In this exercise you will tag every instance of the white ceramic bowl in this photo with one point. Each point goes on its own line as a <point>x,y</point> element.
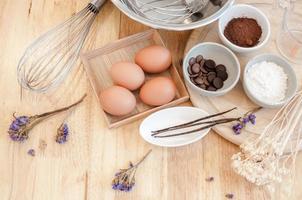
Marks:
<point>243,10</point>
<point>292,80</point>
<point>221,55</point>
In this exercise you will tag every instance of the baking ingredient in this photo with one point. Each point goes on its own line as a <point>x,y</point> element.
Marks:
<point>127,74</point>
<point>158,91</point>
<point>117,101</point>
<point>205,74</point>
<point>198,122</point>
<point>267,81</point>
<point>154,59</point>
<point>243,32</point>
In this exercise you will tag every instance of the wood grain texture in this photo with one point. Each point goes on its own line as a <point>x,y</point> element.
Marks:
<point>84,167</point>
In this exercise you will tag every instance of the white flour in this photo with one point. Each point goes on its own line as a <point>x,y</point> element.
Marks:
<point>267,81</point>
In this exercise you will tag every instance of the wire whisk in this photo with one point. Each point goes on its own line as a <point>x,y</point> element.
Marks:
<point>48,60</point>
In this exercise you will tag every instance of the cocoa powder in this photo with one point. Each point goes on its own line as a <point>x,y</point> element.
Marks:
<point>244,32</point>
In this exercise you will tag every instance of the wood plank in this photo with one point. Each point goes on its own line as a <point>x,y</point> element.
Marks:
<point>84,167</point>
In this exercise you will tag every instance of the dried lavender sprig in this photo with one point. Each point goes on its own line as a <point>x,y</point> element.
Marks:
<point>125,179</point>
<point>20,127</point>
<point>249,116</point>
<point>199,129</point>
<point>62,109</point>
<point>192,122</point>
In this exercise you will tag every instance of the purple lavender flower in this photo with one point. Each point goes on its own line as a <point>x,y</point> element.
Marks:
<point>124,180</point>
<point>248,117</point>
<point>237,128</point>
<point>17,130</point>
<point>252,118</point>
<point>62,133</point>
<point>245,120</point>
<point>21,126</point>
<point>31,152</point>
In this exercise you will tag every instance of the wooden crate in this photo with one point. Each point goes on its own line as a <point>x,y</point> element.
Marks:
<point>98,62</point>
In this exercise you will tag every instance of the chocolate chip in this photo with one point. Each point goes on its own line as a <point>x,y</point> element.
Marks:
<point>206,82</point>
<point>212,74</point>
<point>216,2</point>
<point>203,70</point>
<point>192,61</point>
<point>211,88</point>
<point>210,64</point>
<point>194,75</point>
<point>199,58</point>
<point>220,68</point>
<point>222,74</point>
<point>192,80</point>
<point>203,86</point>
<point>211,78</point>
<point>218,83</point>
<point>196,68</point>
<point>199,80</point>
<point>190,70</point>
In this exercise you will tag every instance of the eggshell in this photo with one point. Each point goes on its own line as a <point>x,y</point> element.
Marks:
<point>158,91</point>
<point>128,75</point>
<point>117,100</point>
<point>154,59</point>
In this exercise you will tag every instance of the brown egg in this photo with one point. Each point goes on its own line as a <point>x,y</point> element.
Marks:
<point>154,59</point>
<point>158,91</point>
<point>117,100</point>
<point>128,75</point>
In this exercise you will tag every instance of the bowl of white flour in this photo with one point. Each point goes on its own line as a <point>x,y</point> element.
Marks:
<point>269,81</point>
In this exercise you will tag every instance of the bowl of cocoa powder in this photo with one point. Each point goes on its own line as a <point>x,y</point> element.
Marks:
<point>244,28</point>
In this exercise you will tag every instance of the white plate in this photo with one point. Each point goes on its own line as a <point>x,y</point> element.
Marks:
<point>170,117</point>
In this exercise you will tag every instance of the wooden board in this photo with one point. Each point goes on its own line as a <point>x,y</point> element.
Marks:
<point>98,62</point>
<point>83,168</point>
<point>237,97</point>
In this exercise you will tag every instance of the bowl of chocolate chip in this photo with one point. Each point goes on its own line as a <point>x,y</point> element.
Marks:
<point>244,28</point>
<point>211,69</point>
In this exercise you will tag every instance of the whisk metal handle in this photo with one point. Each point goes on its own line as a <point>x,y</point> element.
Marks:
<point>98,3</point>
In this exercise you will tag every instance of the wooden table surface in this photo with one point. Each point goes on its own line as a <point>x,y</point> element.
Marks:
<point>84,167</point>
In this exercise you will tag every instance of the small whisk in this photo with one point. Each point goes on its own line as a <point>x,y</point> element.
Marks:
<point>48,60</point>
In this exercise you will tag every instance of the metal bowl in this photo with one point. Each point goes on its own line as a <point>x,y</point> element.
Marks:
<point>210,14</point>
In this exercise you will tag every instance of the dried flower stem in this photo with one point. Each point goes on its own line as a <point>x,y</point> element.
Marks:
<point>266,161</point>
<point>199,129</point>
<point>124,180</point>
<point>21,126</point>
<point>62,109</point>
<point>143,158</point>
<point>191,122</point>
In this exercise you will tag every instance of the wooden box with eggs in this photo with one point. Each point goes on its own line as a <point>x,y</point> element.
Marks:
<point>134,77</point>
